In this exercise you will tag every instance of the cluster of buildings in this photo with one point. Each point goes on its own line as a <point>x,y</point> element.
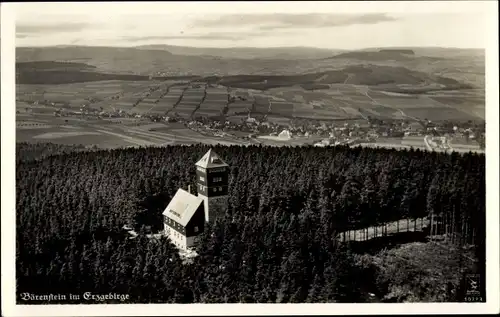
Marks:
<point>333,133</point>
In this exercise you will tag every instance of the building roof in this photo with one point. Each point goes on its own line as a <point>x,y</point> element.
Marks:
<point>416,126</point>
<point>183,206</point>
<point>285,134</point>
<point>211,159</point>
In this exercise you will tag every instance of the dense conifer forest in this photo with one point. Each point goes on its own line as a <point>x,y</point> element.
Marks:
<point>277,243</point>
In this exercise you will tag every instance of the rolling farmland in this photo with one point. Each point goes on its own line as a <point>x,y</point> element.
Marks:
<point>186,99</point>
<point>348,92</point>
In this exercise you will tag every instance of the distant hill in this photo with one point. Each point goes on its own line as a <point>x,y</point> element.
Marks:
<point>381,55</point>
<point>370,75</point>
<point>148,61</point>
<point>442,52</point>
<point>73,53</point>
<point>398,51</point>
<point>246,52</point>
<point>54,73</point>
<point>49,72</point>
<point>51,66</point>
<point>462,65</point>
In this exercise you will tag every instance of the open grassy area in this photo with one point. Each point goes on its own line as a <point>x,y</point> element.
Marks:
<point>417,271</point>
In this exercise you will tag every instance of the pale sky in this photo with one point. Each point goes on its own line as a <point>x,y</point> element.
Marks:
<point>252,24</point>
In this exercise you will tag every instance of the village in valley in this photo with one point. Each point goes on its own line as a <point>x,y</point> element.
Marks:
<point>255,126</point>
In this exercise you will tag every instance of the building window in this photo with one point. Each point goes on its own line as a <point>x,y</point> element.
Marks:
<point>196,229</point>
<point>220,189</point>
<point>217,179</point>
<point>202,178</point>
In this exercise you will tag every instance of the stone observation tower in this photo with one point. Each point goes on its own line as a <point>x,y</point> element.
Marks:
<point>186,214</point>
<point>212,177</point>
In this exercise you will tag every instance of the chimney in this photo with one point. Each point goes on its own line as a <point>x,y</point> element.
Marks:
<point>189,189</point>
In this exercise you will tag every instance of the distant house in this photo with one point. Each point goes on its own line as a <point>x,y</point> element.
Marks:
<point>325,142</point>
<point>285,134</point>
<point>415,127</point>
<point>411,133</point>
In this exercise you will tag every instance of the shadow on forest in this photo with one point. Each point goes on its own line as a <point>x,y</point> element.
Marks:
<point>375,245</point>
<point>151,211</point>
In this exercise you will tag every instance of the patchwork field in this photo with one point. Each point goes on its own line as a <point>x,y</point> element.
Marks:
<point>413,141</point>
<point>305,96</point>
<point>338,102</point>
<point>279,120</point>
<point>109,133</point>
<point>239,107</point>
<point>350,101</point>
<point>355,87</point>
<point>70,135</point>
<point>216,94</point>
<point>94,94</point>
<point>261,105</point>
<point>211,108</point>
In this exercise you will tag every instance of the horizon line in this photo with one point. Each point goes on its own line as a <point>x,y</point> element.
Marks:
<point>247,47</point>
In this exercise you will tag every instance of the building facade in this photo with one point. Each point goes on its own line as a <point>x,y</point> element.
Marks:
<point>184,219</point>
<point>212,177</point>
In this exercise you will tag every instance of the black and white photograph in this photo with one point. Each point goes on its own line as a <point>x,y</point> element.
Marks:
<point>250,153</point>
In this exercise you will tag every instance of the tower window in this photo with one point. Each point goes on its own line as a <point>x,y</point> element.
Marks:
<point>220,189</point>
<point>217,179</point>
<point>202,178</point>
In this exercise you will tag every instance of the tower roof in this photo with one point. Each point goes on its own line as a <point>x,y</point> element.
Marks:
<point>211,159</point>
<point>183,206</point>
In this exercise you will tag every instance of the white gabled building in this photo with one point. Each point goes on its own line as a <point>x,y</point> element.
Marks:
<point>184,219</point>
